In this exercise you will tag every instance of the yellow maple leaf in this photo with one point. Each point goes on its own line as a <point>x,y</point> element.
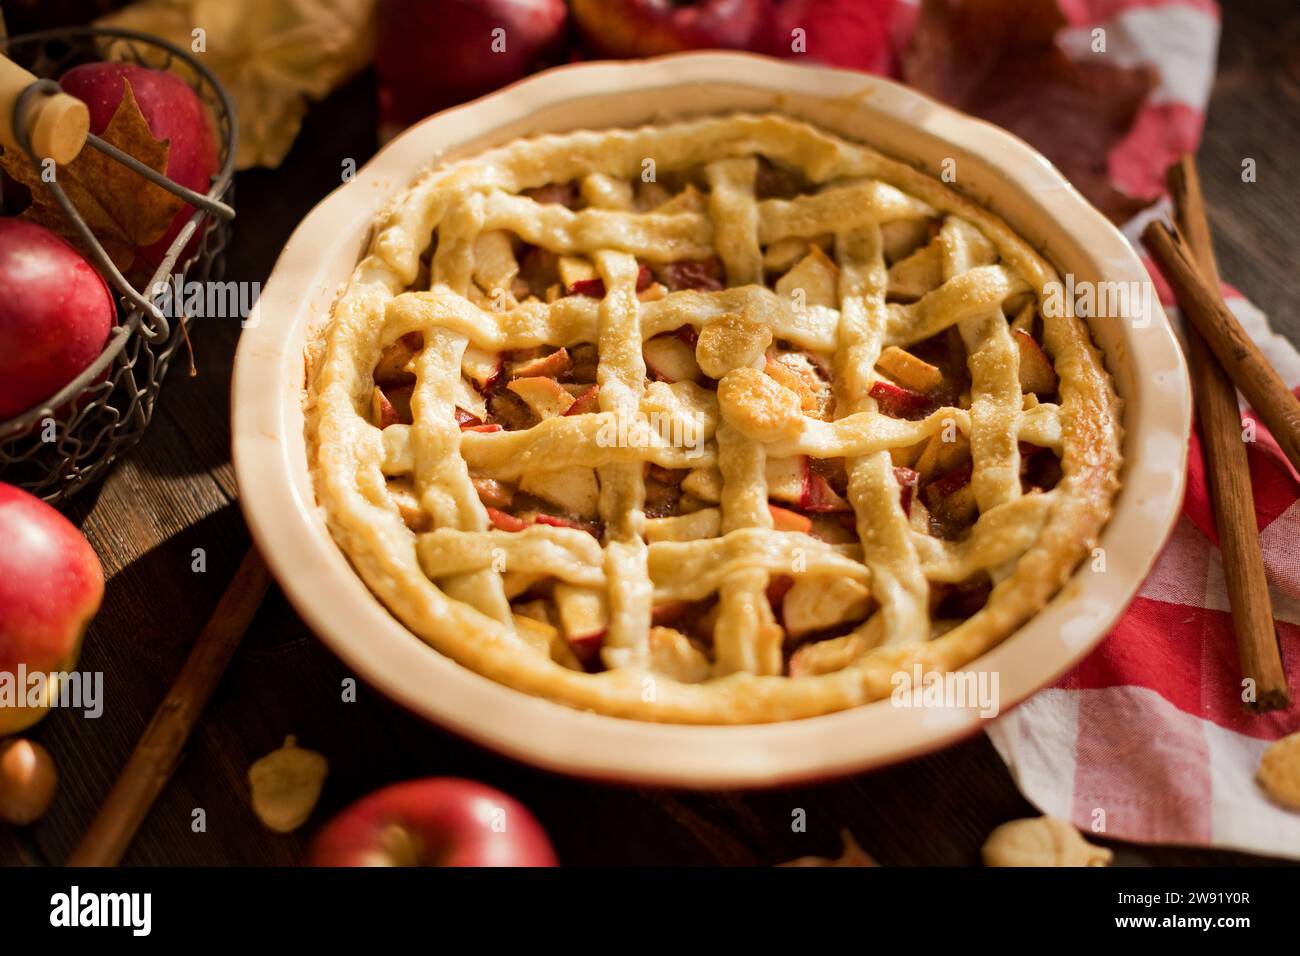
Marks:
<point>273,58</point>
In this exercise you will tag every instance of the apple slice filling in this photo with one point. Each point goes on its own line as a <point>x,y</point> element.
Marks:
<point>818,604</point>
<point>701,275</point>
<point>395,362</point>
<point>1040,469</point>
<point>563,194</point>
<point>663,491</point>
<point>523,387</point>
<point>803,375</point>
<point>668,358</point>
<point>694,618</point>
<point>956,602</point>
<point>583,614</point>
<point>518,390</point>
<point>539,275</point>
<point>594,286</point>
<point>545,397</point>
<point>1037,375</point>
<point>777,181</point>
<point>822,616</point>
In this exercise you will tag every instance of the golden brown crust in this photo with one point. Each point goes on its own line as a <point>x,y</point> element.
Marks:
<point>1031,542</point>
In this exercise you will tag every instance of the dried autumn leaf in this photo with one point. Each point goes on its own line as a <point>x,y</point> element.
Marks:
<point>123,209</point>
<point>1042,841</point>
<point>1279,771</point>
<point>286,784</point>
<point>851,855</point>
<point>999,60</point>
<point>273,58</point>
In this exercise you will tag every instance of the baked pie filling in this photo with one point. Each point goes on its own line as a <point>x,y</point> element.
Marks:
<point>732,442</point>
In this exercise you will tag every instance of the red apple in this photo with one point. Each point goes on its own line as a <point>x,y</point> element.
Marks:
<point>173,111</point>
<point>631,28</point>
<point>429,56</point>
<point>437,821</point>
<point>55,315</point>
<point>848,33</point>
<point>51,584</point>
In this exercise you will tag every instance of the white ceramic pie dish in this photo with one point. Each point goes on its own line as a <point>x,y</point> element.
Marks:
<point>993,167</point>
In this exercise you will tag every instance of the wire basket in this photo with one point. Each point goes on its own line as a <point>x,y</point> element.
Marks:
<point>71,438</point>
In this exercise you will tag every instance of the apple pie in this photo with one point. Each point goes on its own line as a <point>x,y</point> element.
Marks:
<point>719,421</point>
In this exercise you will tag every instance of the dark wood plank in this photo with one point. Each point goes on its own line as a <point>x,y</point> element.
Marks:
<point>1252,115</point>
<point>145,523</point>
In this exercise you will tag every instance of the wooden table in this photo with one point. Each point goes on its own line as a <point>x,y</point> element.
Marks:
<point>176,493</point>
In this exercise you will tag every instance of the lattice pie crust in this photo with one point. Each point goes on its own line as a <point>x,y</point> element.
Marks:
<point>773,301</point>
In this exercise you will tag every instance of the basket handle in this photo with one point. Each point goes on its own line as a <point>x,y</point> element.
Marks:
<point>56,124</point>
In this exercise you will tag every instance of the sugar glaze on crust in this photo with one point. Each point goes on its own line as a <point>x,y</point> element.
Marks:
<point>452,575</point>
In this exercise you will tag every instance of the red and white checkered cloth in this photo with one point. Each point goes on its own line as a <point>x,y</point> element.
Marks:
<point>1150,728</point>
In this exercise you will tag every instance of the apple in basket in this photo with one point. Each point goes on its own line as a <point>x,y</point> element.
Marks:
<point>429,56</point>
<point>51,584</point>
<point>55,315</point>
<point>173,112</point>
<point>630,28</point>
<point>437,821</point>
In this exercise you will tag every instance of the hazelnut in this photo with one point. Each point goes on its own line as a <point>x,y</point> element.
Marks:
<point>28,780</point>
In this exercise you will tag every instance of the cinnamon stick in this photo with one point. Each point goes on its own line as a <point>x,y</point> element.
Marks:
<point>154,758</point>
<point>1240,357</point>
<point>1228,469</point>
